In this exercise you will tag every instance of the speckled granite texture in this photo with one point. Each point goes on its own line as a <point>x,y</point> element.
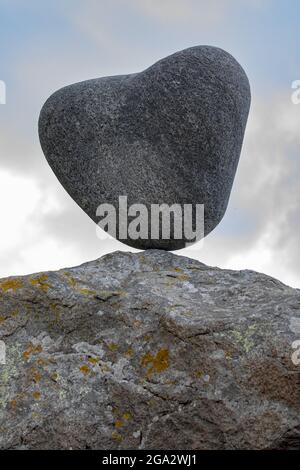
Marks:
<point>171,134</point>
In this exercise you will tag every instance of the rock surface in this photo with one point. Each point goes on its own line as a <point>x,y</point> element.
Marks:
<point>171,134</point>
<point>150,351</point>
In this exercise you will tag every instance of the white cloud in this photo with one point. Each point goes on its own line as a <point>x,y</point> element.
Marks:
<point>25,244</point>
<point>19,199</point>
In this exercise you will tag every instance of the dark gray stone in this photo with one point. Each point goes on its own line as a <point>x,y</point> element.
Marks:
<point>170,134</point>
<point>151,351</point>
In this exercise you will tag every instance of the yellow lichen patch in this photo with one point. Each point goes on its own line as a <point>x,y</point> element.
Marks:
<point>41,282</point>
<point>2,319</point>
<point>118,423</point>
<point>127,416</point>
<point>85,370</point>
<point>147,338</point>
<point>13,284</point>
<point>15,313</point>
<point>182,277</point>
<point>158,363</point>
<point>71,280</point>
<point>245,338</point>
<point>54,376</point>
<point>113,346</point>
<point>178,270</point>
<point>199,374</point>
<point>36,395</point>
<point>129,352</point>
<point>32,350</point>
<point>94,360</point>
<point>117,437</point>
<point>85,291</point>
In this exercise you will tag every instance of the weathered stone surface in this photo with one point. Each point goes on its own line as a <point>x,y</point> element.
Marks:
<point>148,350</point>
<point>171,134</point>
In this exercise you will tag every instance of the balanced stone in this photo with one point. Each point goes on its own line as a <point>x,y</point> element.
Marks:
<point>169,137</point>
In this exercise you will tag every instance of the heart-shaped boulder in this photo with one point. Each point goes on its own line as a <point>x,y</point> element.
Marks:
<point>162,143</point>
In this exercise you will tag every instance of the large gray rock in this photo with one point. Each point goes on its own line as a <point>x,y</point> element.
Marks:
<point>150,351</point>
<point>171,134</point>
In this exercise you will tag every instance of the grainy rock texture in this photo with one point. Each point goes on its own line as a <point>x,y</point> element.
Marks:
<point>150,351</point>
<point>171,134</point>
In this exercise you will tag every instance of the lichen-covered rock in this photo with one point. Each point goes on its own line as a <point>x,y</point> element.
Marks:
<point>150,351</point>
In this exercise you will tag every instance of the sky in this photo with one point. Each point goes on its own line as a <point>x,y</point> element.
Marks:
<point>50,44</point>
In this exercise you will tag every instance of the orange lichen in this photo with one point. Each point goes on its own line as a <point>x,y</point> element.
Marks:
<point>42,362</point>
<point>13,284</point>
<point>36,395</point>
<point>32,350</point>
<point>13,404</point>
<point>118,423</point>
<point>85,370</point>
<point>35,375</point>
<point>157,363</point>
